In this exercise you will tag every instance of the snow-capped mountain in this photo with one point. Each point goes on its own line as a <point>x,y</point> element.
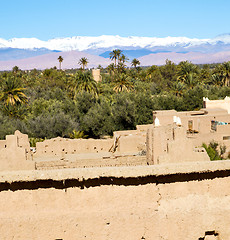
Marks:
<point>109,42</point>
<point>29,53</point>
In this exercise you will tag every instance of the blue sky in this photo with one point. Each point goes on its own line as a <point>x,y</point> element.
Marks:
<point>46,19</point>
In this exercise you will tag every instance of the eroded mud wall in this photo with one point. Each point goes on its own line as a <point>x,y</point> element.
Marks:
<point>184,206</point>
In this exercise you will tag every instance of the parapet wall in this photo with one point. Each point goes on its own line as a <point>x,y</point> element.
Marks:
<point>176,202</point>
<point>215,104</point>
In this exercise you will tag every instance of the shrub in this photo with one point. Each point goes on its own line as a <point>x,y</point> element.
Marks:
<point>214,151</point>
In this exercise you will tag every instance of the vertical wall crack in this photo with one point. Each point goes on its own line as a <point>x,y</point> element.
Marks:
<point>160,196</point>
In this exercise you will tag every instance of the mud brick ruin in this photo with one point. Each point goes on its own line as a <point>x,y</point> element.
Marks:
<point>155,182</point>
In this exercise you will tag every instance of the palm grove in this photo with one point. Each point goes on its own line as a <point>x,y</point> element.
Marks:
<point>51,103</point>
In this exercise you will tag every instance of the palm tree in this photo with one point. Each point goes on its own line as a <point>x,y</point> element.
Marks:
<point>83,62</point>
<point>123,58</point>
<point>12,97</point>
<point>184,69</point>
<point>191,80</point>
<point>114,55</point>
<point>12,93</point>
<point>77,134</point>
<point>135,62</point>
<point>15,69</point>
<point>60,59</point>
<point>83,82</point>
<point>111,68</point>
<point>217,79</point>
<point>178,88</point>
<point>122,83</point>
<point>225,69</point>
<point>121,67</point>
<point>150,71</point>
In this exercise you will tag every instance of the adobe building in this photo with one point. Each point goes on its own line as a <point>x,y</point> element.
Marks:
<point>98,189</point>
<point>173,132</point>
<point>96,75</point>
<point>164,141</point>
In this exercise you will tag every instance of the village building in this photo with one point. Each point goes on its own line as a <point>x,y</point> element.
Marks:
<point>155,182</point>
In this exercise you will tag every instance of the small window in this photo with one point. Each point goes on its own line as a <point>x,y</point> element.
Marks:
<point>190,125</point>
<point>226,137</point>
<point>213,125</point>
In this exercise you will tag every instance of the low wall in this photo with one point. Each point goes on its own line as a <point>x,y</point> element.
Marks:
<point>84,162</point>
<point>61,146</point>
<point>174,201</point>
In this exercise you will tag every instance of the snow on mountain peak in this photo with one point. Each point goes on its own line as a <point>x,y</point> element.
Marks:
<point>82,43</point>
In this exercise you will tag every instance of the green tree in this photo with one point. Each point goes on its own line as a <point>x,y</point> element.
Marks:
<point>144,105</point>
<point>225,68</point>
<point>122,83</point>
<point>191,80</point>
<point>60,59</point>
<point>12,93</point>
<point>135,63</point>
<point>84,82</point>
<point>192,99</point>
<point>123,112</point>
<point>184,69</point>
<point>111,68</point>
<point>48,125</point>
<point>114,55</point>
<point>98,120</point>
<point>169,74</point>
<point>217,79</point>
<point>77,134</point>
<point>122,58</point>
<point>121,67</point>
<point>178,88</point>
<point>83,62</point>
<point>15,69</point>
<point>205,75</point>
<point>153,74</point>
<point>13,97</point>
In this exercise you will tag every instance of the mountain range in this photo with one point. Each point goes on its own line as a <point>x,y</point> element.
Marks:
<point>28,53</point>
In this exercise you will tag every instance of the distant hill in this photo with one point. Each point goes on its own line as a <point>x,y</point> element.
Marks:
<point>71,60</point>
<point>194,57</point>
<point>7,54</point>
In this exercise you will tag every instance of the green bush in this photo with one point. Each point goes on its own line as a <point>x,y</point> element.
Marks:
<point>213,152</point>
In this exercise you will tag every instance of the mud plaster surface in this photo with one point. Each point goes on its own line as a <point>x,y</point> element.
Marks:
<point>156,206</point>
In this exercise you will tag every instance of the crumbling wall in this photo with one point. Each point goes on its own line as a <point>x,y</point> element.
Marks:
<point>173,202</point>
<point>132,141</point>
<point>124,149</point>
<point>61,146</point>
<point>15,153</point>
